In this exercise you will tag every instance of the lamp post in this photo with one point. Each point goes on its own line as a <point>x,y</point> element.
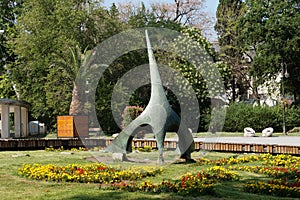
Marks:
<point>2,45</point>
<point>285,74</point>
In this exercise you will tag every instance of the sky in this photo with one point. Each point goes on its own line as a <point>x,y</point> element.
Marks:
<point>211,6</point>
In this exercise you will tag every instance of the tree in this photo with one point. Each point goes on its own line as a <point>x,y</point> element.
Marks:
<point>228,14</point>
<point>48,39</point>
<point>200,67</point>
<point>207,62</point>
<point>185,12</point>
<point>45,30</point>
<point>271,29</point>
<point>8,13</point>
<point>68,67</point>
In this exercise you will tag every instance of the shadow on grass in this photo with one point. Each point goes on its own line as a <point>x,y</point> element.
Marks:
<point>108,195</point>
<point>234,190</point>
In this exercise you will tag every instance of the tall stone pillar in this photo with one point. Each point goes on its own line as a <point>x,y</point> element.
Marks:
<point>5,131</point>
<point>17,121</point>
<point>24,120</point>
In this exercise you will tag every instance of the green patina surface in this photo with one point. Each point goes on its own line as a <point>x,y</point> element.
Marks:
<point>159,115</point>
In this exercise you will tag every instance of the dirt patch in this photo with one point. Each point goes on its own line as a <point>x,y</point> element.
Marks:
<point>147,158</point>
<point>106,159</point>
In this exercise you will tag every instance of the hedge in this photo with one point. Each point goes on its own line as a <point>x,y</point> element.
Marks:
<point>240,115</point>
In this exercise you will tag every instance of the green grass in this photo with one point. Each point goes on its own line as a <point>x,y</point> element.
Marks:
<point>13,186</point>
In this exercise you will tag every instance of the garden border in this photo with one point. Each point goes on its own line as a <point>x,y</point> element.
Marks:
<point>169,143</point>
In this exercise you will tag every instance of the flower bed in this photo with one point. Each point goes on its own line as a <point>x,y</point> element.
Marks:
<point>283,176</point>
<point>283,160</point>
<point>229,161</point>
<point>51,148</point>
<point>189,184</point>
<point>282,169</point>
<point>275,187</point>
<point>90,173</point>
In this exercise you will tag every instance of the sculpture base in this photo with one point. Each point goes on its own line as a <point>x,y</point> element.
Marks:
<point>160,160</point>
<point>119,157</point>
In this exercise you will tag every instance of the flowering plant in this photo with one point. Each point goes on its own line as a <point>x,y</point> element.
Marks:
<point>191,184</point>
<point>90,173</point>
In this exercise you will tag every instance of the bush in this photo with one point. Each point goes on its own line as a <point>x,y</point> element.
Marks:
<point>239,116</point>
<point>130,113</point>
<point>292,117</point>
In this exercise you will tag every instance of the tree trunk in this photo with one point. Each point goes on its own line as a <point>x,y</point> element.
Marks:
<point>233,99</point>
<point>76,106</point>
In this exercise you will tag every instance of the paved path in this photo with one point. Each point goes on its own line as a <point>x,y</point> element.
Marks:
<point>281,140</point>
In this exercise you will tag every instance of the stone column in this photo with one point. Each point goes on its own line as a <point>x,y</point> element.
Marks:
<point>5,131</point>
<point>24,120</point>
<point>17,121</point>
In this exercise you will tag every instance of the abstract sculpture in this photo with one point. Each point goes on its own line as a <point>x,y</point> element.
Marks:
<point>159,115</point>
<point>267,132</point>
<point>249,132</point>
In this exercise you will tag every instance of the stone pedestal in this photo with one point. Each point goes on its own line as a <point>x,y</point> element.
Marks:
<point>5,130</point>
<point>24,121</point>
<point>119,157</point>
<point>17,121</point>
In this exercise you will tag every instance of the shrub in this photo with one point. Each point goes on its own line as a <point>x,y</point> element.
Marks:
<point>130,113</point>
<point>239,116</point>
<point>292,117</point>
<point>143,149</point>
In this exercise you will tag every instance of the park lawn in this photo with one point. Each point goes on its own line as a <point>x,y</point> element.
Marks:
<point>14,186</point>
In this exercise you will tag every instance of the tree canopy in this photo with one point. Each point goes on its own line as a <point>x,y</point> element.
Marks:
<point>271,29</point>
<point>44,39</point>
<point>48,41</point>
<point>228,13</point>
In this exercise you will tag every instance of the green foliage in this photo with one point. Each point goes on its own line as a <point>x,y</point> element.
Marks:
<point>202,72</point>
<point>143,149</point>
<point>8,13</point>
<point>292,116</point>
<point>192,72</point>
<point>214,119</point>
<point>228,14</point>
<point>50,39</point>
<point>240,116</point>
<point>106,86</point>
<point>271,30</point>
<point>60,149</point>
<point>130,113</point>
<point>6,87</point>
<point>45,31</point>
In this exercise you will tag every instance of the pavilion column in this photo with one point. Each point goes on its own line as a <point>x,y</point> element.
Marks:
<point>17,121</point>
<point>5,131</point>
<point>24,120</point>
